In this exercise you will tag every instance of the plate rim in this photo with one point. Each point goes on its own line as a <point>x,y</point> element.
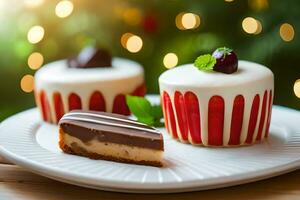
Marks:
<point>115,185</point>
<point>189,187</point>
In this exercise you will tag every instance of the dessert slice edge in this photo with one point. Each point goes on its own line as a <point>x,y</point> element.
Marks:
<point>99,138</point>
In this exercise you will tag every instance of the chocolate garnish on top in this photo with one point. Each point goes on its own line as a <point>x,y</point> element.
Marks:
<point>91,57</point>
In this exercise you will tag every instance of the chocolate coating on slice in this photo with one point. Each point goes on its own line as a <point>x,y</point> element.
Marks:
<point>113,128</point>
<point>91,57</point>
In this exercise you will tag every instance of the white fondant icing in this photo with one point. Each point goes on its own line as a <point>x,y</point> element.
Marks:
<point>190,76</point>
<point>247,110</point>
<point>122,78</point>
<point>227,119</point>
<point>250,79</point>
<point>268,113</point>
<point>203,105</point>
<point>62,74</point>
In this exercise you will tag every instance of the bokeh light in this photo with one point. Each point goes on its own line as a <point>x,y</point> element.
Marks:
<point>132,16</point>
<point>64,8</point>
<point>178,21</point>
<point>27,83</point>
<point>134,44</point>
<point>35,60</point>
<point>170,60</point>
<point>124,39</point>
<point>35,34</point>
<point>229,0</point>
<point>186,21</point>
<point>259,28</point>
<point>33,3</point>
<point>287,32</point>
<point>2,5</point>
<point>251,25</point>
<point>297,88</point>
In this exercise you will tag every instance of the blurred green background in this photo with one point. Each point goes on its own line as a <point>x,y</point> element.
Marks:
<point>258,30</point>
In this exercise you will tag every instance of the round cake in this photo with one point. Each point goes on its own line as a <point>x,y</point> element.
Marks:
<point>60,87</point>
<point>218,109</point>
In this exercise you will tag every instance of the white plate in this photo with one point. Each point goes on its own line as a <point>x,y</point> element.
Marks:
<point>32,144</point>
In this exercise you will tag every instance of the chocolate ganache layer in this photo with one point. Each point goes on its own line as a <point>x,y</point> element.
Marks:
<point>111,128</point>
<point>91,57</point>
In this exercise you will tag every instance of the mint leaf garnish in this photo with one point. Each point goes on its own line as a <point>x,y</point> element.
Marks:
<point>205,62</point>
<point>226,51</point>
<point>139,106</point>
<point>145,113</point>
<point>158,124</point>
<point>148,121</point>
<point>156,111</point>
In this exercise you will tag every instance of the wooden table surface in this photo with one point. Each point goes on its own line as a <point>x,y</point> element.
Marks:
<point>18,183</point>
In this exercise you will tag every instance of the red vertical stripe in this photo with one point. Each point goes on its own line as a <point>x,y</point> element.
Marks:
<point>97,102</point>
<point>74,102</point>
<point>215,121</point>
<point>120,105</point>
<point>58,106</point>
<point>46,113</point>
<point>262,117</point>
<point>237,120</point>
<point>170,114</point>
<point>140,91</point>
<point>253,119</point>
<point>269,114</point>
<point>193,115</point>
<point>181,115</point>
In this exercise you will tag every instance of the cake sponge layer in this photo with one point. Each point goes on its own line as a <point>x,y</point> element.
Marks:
<point>95,149</point>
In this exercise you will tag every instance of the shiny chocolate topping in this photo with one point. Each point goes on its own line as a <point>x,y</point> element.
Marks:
<point>91,57</point>
<point>111,128</point>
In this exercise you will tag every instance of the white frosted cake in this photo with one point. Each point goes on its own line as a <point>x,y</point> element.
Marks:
<point>60,88</point>
<point>218,109</point>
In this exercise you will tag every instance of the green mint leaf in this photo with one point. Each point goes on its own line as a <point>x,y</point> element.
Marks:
<point>205,62</point>
<point>226,51</point>
<point>145,113</point>
<point>149,121</point>
<point>156,112</point>
<point>139,106</point>
<point>158,124</point>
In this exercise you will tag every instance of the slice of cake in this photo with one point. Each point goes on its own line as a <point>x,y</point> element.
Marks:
<point>100,135</point>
